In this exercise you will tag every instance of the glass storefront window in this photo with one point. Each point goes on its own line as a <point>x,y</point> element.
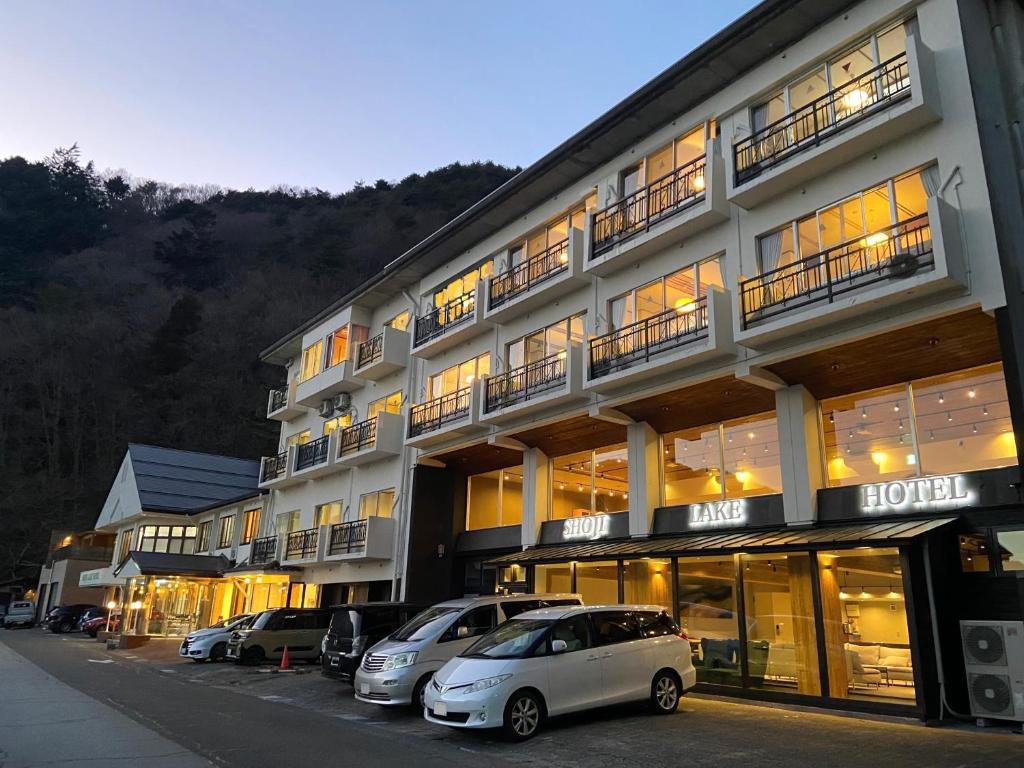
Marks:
<point>706,587</point>
<point>555,578</point>
<point>867,638</point>
<point>693,461</point>
<point>974,553</point>
<point>590,482</point>
<point>959,422</point>
<point>779,612</point>
<point>598,582</point>
<point>1011,549</point>
<point>648,582</point>
<point>495,499</point>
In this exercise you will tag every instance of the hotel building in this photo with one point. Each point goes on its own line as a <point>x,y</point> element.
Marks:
<point>740,347</point>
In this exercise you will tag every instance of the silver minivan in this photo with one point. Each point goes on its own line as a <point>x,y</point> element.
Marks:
<point>397,669</point>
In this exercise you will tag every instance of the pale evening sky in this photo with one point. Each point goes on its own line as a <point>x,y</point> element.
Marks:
<point>323,94</point>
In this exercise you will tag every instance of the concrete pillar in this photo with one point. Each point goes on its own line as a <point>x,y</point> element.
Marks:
<point>536,494</point>
<point>642,450</point>
<point>799,453</point>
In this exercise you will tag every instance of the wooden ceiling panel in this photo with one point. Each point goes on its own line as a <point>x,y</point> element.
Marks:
<point>706,403</point>
<point>576,434</point>
<point>482,457</point>
<point>947,344</point>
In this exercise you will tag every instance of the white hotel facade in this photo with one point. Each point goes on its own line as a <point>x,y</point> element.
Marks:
<point>736,347</point>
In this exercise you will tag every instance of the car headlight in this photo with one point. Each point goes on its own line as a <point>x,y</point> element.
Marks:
<point>399,660</point>
<point>323,644</point>
<point>190,639</point>
<point>483,685</point>
<point>241,635</point>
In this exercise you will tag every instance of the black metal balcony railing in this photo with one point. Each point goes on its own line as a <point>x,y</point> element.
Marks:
<point>642,340</point>
<point>434,414</point>
<point>535,270</point>
<point>517,385</point>
<point>347,537</point>
<point>263,550</point>
<point>358,437</point>
<point>893,253</point>
<point>441,319</point>
<point>301,545</point>
<point>370,351</point>
<point>663,197</point>
<point>812,123</point>
<point>278,399</point>
<point>312,453</point>
<point>274,467</point>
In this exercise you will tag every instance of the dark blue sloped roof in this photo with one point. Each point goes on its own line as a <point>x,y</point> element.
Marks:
<point>170,480</point>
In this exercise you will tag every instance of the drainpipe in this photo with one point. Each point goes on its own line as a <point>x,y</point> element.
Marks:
<point>943,703</point>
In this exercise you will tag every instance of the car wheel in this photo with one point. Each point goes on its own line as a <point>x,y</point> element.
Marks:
<point>665,690</point>
<point>252,656</point>
<point>524,714</point>
<point>218,651</point>
<point>418,703</point>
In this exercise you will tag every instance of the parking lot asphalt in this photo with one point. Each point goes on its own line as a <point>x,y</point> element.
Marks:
<point>307,712</point>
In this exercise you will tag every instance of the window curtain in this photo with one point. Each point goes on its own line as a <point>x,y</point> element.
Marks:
<point>769,251</point>
<point>930,180</point>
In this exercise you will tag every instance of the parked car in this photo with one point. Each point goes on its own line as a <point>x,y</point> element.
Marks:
<point>302,630</point>
<point>92,613</point>
<point>20,613</point>
<point>64,618</point>
<point>212,643</point>
<point>558,660</point>
<point>98,624</point>
<point>396,670</point>
<point>356,627</point>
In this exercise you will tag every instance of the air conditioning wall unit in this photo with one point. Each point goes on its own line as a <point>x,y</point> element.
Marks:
<point>326,408</point>
<point>342,402</point>
<point>994,658</point>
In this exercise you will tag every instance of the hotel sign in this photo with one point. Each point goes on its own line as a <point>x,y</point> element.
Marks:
<point>921,494</point>
<point>589,528</point>
<point>718,514</point>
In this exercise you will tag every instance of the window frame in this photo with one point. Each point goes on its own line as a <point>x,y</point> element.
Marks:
<point>225,531</point>
<point>250,524</point>
<point>630,296</point>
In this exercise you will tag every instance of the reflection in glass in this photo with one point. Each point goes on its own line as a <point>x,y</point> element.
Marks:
<point>1011,550</point>
<point>590,482</point>
<point>598,582</point>
<point>707,614</point>
<point>868,438</point>
<point>556,578</point>
<point>781,636</point>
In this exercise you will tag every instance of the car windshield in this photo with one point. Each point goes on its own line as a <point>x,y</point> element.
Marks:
<point>427,623</point>
<point>343,622</point>
<point>262,620</point>
<point>511,640</point>
<point>235,622</point>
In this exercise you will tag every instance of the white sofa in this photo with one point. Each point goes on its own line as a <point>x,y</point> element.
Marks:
<point>895,660</point>
<point>782,665</point>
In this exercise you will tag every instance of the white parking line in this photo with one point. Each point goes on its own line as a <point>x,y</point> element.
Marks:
<point>100,661</point>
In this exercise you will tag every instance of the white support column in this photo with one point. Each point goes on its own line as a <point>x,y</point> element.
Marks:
<point>644,476</point>
<point>799,453</point>
<point>536,494</point>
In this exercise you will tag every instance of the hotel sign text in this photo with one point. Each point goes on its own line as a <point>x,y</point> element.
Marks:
<point>917,495</point>
<point>718,514</point>
<point>586,528</point>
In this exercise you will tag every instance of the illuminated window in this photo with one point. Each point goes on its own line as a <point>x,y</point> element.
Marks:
<point>463,285</point>
<point>399,322</point>
<point>299,438</point>
<point>458,376</point>
<point>390,404</point>
<point>227,531</point>
<point>495,498</point>
<point>126,544</point>
<point>338,422</point>
<point>174,539</point>
<point>745,452</point>
<point>959,422</point>
<point>376,504</point>
<point>590,482</point>
<point>312,356</point>
<point>203,539</point>
<point>547,342</point>
<point>675,291</point>
<point>250,525</point>
<point>551,234</point>
<point>327,514</point>
<point>286,522</point>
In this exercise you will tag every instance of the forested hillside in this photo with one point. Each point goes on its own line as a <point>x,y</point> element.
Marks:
<point>135,312</point>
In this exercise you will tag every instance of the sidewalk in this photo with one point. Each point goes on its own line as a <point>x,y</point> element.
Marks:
<point>43,721</point>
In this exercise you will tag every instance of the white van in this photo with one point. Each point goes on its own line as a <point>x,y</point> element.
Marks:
<point>558,660</point>
<point>397,669</point>
<point>20,613</point>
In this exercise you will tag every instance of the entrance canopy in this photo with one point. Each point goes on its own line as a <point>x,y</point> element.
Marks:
<point>891,532</point>
<point>167,564</point>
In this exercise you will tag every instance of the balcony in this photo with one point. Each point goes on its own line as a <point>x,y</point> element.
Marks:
<point>328,383</point>
<point>276,471</point>
<point>545,276</point>
<point>302,545</point>
<point>450,324</point>
<point>263,550</point>
<point>553,381</point>
<point>895,99</point>
<point>282,406</point>
<point>445,418</point>
<point>675,206</point>
<point>371,440</point>
<point>370,539</point>
<point>916,259</point>
<point>662,345</point>
<point>317,457</point>
<point>385,353</point>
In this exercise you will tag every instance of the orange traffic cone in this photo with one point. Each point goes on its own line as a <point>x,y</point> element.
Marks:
<point>284,660</point>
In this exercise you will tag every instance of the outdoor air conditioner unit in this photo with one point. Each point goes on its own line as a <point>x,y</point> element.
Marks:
<point>326,408</point>
<point>994,656</point>
<point>342,402</point>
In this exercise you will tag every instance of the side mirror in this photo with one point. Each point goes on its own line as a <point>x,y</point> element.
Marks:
<point>559,646</point>
<point>462,632</point>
